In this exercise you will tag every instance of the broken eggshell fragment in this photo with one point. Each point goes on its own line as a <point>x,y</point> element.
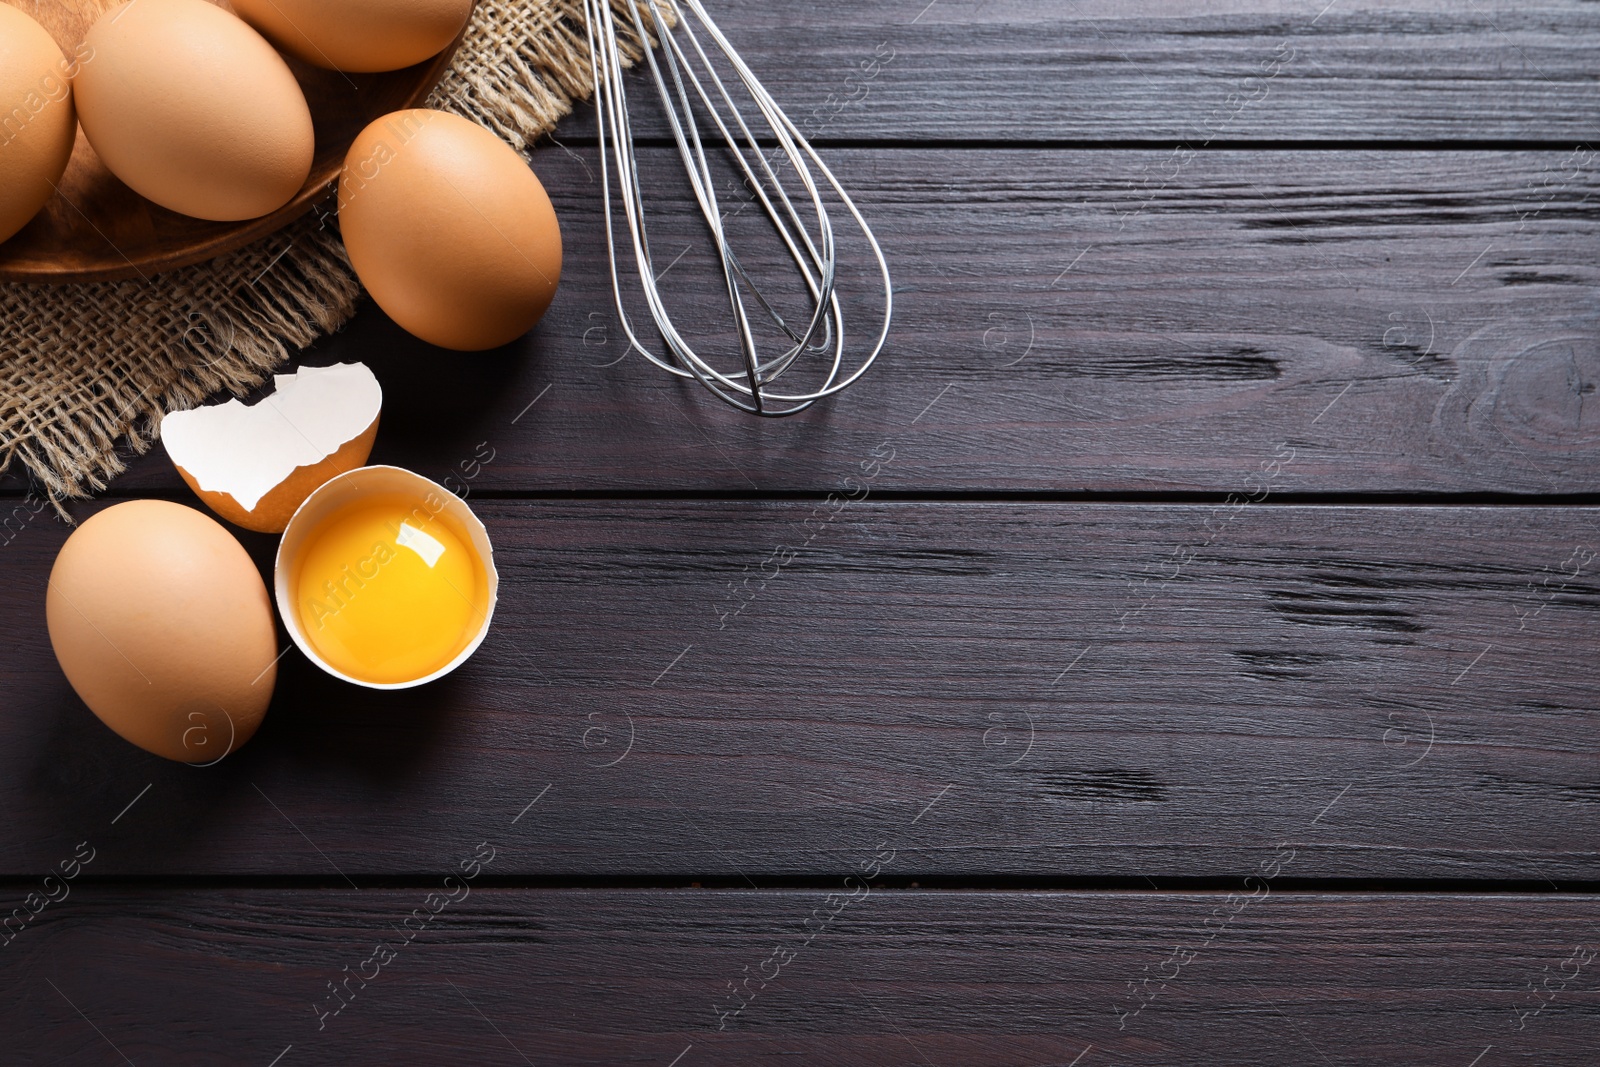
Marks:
<point>255,464</point>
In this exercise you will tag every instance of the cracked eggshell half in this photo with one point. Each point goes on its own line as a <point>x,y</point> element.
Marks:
<point>255,464</point>
<point>348,492</point>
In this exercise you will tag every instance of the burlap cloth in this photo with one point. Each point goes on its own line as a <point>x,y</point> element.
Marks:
<point>86,368</point>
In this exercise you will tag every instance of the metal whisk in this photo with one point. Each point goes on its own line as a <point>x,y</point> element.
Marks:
<point>685,77</point>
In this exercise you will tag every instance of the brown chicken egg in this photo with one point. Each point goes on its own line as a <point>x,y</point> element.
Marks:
<point>449,229</point>
<point>37,122</point>
<point>194,110</point>
<point>358,35</point>
<point>162,624</point>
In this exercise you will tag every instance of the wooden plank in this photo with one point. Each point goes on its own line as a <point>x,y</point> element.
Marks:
<point>1109,70</point>
<point>980,979</point>
<point>1404,322</point>
<point>1047,690</point>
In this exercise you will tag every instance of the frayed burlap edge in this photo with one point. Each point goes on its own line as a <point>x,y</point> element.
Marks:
<point>87,371</point>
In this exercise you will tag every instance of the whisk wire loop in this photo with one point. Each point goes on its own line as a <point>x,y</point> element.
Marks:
<point>686,79</point>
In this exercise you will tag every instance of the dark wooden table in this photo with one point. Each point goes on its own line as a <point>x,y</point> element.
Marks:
<point>1209,674</point>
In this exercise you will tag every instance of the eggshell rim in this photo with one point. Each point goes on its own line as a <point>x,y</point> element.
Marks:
<point>193,431</point>
<point>389,476</point>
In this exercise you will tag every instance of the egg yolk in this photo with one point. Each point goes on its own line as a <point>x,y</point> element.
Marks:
<point>388,591</point>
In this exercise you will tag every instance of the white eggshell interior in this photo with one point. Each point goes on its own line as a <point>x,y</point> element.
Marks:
<point>247,450</point>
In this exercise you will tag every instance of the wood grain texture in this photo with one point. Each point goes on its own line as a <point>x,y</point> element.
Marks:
<point>1105,70</point>
<point>897,978</point>
<point>1405,322</point>
<point>1048,690</point>
<point>98,229</point>
<point>767,693</point>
